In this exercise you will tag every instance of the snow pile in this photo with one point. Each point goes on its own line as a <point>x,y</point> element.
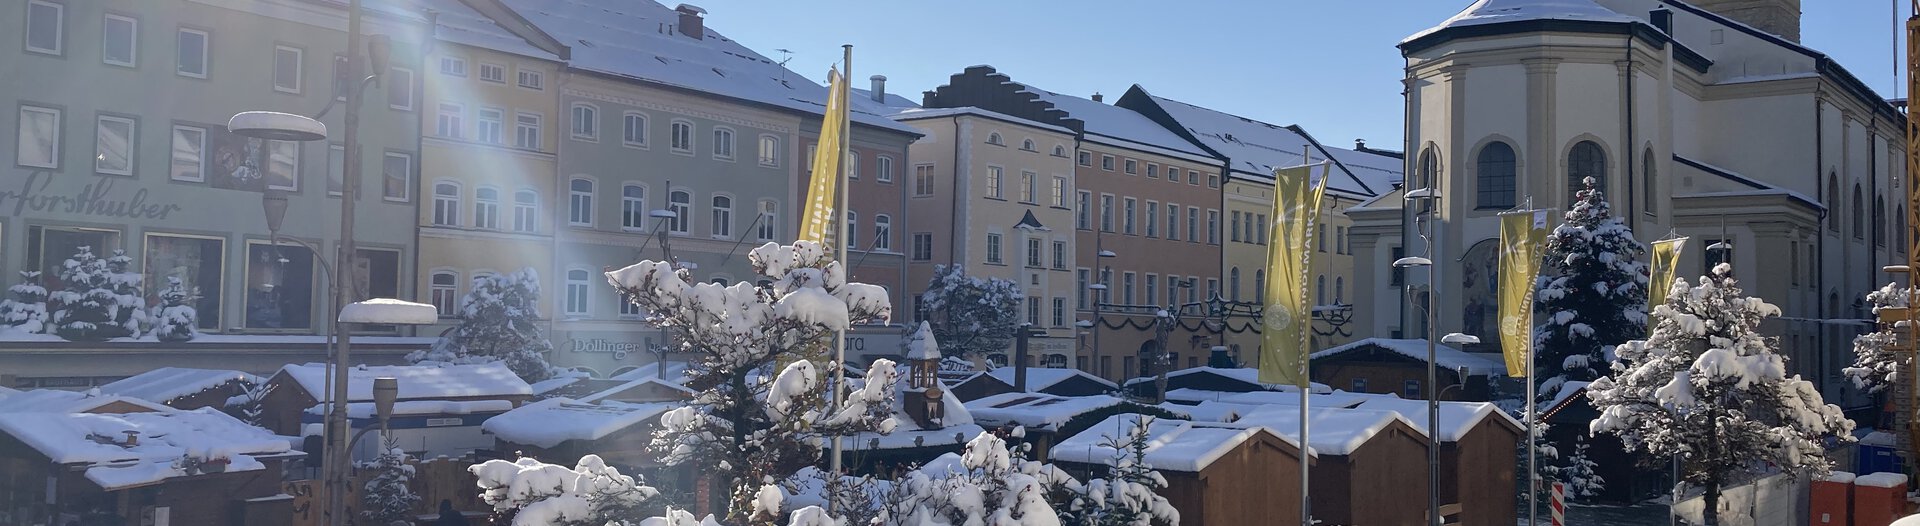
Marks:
<point>166,445</point>
<point>1881,480</point>
<point>546,494</point>
<point>492,379</point>
<point>1211,411</point>
<point>1333,431</point>
<point>389,310</point>
<point>1041,378</point>
<point>1174,445</point>
<point>977,316</point>
<point>168,383</point>
<point>1486,12</point>
<point>1837,476</point>
<point>57,401</point>
<point>1040,412</point>
<point>548,423</point>
<point>1337,398</point>
<point>1456,418</point>
<point>1448,357</point>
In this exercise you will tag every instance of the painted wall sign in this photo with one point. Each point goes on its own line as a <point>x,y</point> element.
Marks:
<point>618,348</point>
<point>95,198</point>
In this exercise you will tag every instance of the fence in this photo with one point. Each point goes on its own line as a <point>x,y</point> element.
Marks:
<point>1775,500</point>
<point>433,480</point>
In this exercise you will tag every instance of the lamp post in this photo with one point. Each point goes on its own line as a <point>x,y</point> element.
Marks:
<point>1423,218</point>
<point>1099,292</point>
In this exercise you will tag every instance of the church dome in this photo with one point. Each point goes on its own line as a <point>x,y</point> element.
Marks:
<point>1489,12</point>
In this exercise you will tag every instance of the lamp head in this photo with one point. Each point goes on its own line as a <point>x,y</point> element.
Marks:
<point>379,53</point>
<point>1412,261</point>
<point>1460,339</point>
<point>1108,254</point>
<point>385,390</point>
<point>1424,193</point>
<point>276,126</point>
<point>274,203</point>
<point>1896,269</point>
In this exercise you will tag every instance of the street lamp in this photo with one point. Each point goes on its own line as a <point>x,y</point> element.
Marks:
<point>1099,300</point>
<point>1425,211</point>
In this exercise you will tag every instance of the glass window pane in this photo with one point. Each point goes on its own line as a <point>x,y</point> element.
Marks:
<point>279,287</point>
<point>198,263</point>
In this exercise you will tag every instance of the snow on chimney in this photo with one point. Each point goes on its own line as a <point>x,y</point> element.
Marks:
<point>879,90</point>
<point>133,438</point>
<point>690,22</point>
<point>1359,144</point>
<point>1096,96</point>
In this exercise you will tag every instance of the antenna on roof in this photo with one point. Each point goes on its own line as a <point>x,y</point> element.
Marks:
<point>785,56</point>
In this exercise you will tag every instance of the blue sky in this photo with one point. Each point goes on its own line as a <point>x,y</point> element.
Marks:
<point>1330,66</point>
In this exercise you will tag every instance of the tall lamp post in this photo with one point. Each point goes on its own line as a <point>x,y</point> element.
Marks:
<point>1099,299</point>
<point>1423,218</point>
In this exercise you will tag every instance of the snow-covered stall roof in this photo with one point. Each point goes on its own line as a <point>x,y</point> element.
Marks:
<point>1123,127</point>
<point>1038,411</point>
<point>57,401</point>
<point>1212,411</point>
<point>1246,375</point>
<point>1040,378</point>
<point>1172,445</point>
<point>957,425</point>
<point>1448,357</point>
<point>1567,391</point>
<point>1456,418</point>
<point>547,423</point>
<point>1340,399</point>
<point>422,407</point>
<point>1486,12</point>
<point>1332,431</point>
<point>1257,148</point>
<point>416,381</point>
<point>168,383</point>
<point>98,443</point>
<point>641,40</point>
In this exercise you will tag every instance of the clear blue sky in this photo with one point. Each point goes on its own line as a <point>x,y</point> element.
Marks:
<point>1328,65</point>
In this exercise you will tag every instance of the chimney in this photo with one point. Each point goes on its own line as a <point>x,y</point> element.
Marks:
<point>1662,20</point>
<point>690,22</point>
<point>133,438</point>
<point>1096,96</point>
<point>879,90</point>
<point>1779,17</point>
<point>926,98</point>
<point>1360,144</point>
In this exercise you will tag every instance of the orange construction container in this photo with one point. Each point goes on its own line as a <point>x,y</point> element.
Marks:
<point>1879,498</point>
<point>1832,500</point>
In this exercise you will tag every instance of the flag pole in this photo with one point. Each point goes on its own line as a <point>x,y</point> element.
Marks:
<point>1306,382</point>
<point>840,343</point>
<point>1533,482</point>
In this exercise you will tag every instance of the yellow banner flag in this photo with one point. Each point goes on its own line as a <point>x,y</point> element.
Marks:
<point>826,164</point>
<point>1286,315</point>
<point>1522,236</point>
<point>1666,258</point>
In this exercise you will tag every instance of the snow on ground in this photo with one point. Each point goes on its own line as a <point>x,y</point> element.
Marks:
<point>1040,378</point>
<point>1035,411</point>
<point>167,383</point>
<point>57,401</point>
<point>550,422</point>
<point>1172,445</point>
<point>1330,432</point>
<point>99,443</point>
<point>416,381</point>
<point>1456,418</point>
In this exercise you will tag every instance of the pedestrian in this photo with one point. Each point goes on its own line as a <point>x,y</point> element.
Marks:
<point>449,516</point>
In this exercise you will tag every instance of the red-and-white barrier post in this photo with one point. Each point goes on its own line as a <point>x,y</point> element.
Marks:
<point>1559,504</point>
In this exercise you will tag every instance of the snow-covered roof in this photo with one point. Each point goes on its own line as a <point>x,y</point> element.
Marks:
<point>1486,12</point>
<point>641,40</point>
<point>1212,411</point>
<point>631,384</point>
<point>1340,399</point>
<point>460,24</point>
<point>929,113</point>
<point>423,407</point>
<point>57,401</point>
<point>1456,418</point>
<point>1331,431</point>
<point>1041,378</point>
<point>550,384</point>
<point>547,423</point>
<point>1247,375</point>
<point>895,103</point>
<point>1036,411</point>
<point>1172,445</point>
<point>1448,357</point>
<point>921,345</point>
<point>1566,392</point>
<point>416,381</point>
<point>1257,148</point>
<point>167,383</point>
<point>1117,126</point>
<point>97,441</point>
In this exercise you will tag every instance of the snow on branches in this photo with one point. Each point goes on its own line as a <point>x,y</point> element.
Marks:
<point>972,316</point>
<point>178,321</point>
<point>99,299</point>
<point>989,484</point>
<point>389,499</point>
<point>26,311</point>
<point>1710,388</point>
<point>1592,292</point>
<point>499,321</point>
<point>532,493</point>
<point>1130,496</point>
<point>1875,364</point>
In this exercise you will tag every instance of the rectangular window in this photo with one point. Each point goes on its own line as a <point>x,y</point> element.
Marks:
<point>1080,288</point>
<point>287,68</point>
<point>376,275</point>
<point>1132,166</point>
<point>1193,224</point>
<point>336,169</point>
<point>443,293</point>
<point>1213,287</point>
<point>1173,221</point>
<point>922,246</point>
<point>1153,219</point>
<point>1193,177</point>
<point>1399,275</point>
<point>585,122</point>
<point>769,225</point>
<point>1027,186</point>
<point>1059,311</point>
<point>1173,174</point>
<point>190,53</point>
<point>1126,287</point>
<point>1083,210</point>
<point>1152,288</point>
<point>1127,223</point>
<point>1234,223</point>
<point>526,131</point>
<point>113,145</point>
<point>48,248</point>
<point>448,124</point>
<point>1106,213</point>
<point>1033,310</point>
<point>530,79</point>
<point>189,154</point>
<point>279,281</point>
<point>1153,171</point>
<point>993,182</point>
<point>1059,191</point>
<point>923,180</point>
<point>576,295</point>
<point>397,171</point>
<point>1086,159</point>
<point>1263,227</point>
<point>1126,366</point>
<point>46,27</point>
<point>119,40</point>
<point>1106,162</point>
<point>283,165</point>
<point>1213,180</point>
<point>526,206</point>
<point>1034,256</point>
<point>993,248</point>
<point>494,73</point>
<point>1059,255</point>
<point>488,123</point>
<point>1173,289</point>
<point>1340,240</point>
<point>399,86</point>
<point>1320,238</point>
<point>723,144</point>
<point>681,136</point>
<point>453,66</point>
<point>198,265</point>
<point>884,165</point>
<point>1249,228</point>
<point>1213,227</point>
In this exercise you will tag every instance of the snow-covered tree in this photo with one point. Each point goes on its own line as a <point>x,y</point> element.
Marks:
<point>248,406</point>
<point>990,484</point>
<point>972,316</point>
<point>1592,293</point>
<point>178,321</point>
<point>389,498</point>
<point>748,425</point>
<point>527,492</point>
<point>499,321</point>
<point>1875,365</point>
<point>1130,496</point>
<point>26,311</point>
<point>99,298</point>
<point>1707,387</point>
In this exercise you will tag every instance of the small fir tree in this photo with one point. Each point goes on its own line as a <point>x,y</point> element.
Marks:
<point>178,321</point>
<point>91,300</point>
<point>499,321</point>
<point>131,314</point>
<point>972,316</point>
<point>1706,386</point>
<point>26,311</point>
<point>1592,293</point>
<point>389,497</point>
<point>1130,496</point>
<point>1578,473</point>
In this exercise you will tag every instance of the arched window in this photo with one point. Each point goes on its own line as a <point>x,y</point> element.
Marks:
<point>586,122</point>
<point>576,298</point>
<point>634,133</point>
<point>1233,283</point>
<point>1584,161</point>
<point>722,216</point>
<point>768,228</point>
<point>682,135</point>
<point>1339,290</point>
<point>994,138</point>
<point>681,203</point>
<point>1833,196</point>
<point>1859,214</point>
<point>1880,221</point>
<point>633,207</point>
<point>526,210</point>
<point>486,208</point>
<point>722,143</point>
<point>1026,144</point>
<point>444,292</point>
<point>1259,285</point>
<point>1496,176</point>
<point>1649,183</point>
<point>882,232</point>
<point>1059,151</point>
<point>446,203</point>
<point>1425,175</point>
<point>1320,290</point>
<point>769,150</point>
<point>580,202</point>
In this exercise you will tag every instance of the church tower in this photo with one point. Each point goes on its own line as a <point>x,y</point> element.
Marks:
<point>1778,17</point>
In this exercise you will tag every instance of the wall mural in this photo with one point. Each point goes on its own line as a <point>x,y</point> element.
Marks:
<point>1479,283</point>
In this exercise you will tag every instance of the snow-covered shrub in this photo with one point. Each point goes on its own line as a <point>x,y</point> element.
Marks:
<point>1708,387</point>
<point>499,321</point>
<point>26,311</point>
<point>248,406</point>
<point>972,316</point>
<point>1591,294</point>
<point>761,410</point>
<point>178,321</point>
<point>1130,495</point>
<point>389,499</point>
<point>528,492</point>
<point>99,298</point>
<point>1875,364</point>
<point>989,484</point>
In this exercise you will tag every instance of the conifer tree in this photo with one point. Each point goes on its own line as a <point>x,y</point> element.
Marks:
<point>26,311</point>
<point>178,321</point>
<point>1592,293</point>
<point>93,296</point>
